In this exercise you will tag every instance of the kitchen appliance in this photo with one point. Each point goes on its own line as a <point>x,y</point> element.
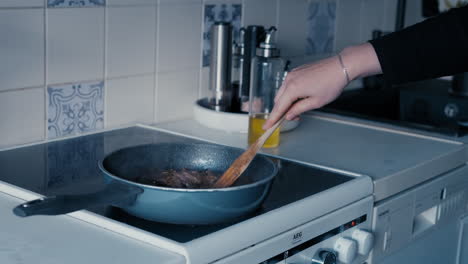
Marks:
<point>460,85</point>
<point>220,66</point>
<point>427,106</point>
<point>312,213</point>
<point>123,169</point>
<point>431,104</point>
<point>237,70</point>
<point>421,225</point>
<point>254,35</point>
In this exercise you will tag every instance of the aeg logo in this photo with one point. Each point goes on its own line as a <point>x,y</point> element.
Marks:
<point>297,237</point>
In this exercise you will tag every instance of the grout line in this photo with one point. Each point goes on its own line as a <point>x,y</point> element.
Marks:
<point>122,77</point>
<point>46,81</point>
<point>130,5</point>
<point>21,7</point>
<point>361,19</point>
<point>337,22</point>
<point>46,71</point>
<point>76,81</point>
<point>156,56</point>
<point>75,7</point>
<point>385,16</point>
<point>200,62</point>
<point>21,89</point>
<point>105,68</point>
<point>277,20</point>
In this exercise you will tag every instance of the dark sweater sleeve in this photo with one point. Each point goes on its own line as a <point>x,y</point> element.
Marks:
<point>433,48</point>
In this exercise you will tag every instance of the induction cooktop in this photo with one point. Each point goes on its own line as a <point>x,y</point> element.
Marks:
<point>70,166</point>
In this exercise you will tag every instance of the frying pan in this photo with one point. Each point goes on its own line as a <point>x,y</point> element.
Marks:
<point>163,204</point>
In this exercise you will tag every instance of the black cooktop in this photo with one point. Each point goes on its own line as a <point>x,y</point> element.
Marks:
<point>424,105</point>
<point>70,167</point>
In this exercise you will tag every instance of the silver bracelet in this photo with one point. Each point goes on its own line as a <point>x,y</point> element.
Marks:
<point>345,70</point>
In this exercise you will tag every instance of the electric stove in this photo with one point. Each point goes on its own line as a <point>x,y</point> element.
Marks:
<point>300,193</point>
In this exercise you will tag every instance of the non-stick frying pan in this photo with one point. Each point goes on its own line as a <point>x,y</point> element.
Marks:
<point>163,204</point>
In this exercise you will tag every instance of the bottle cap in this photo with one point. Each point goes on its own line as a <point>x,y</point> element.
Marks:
<point>268,48</point>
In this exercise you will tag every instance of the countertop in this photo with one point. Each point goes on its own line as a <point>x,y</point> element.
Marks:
<point>395,159</point>
<point>64,239</point>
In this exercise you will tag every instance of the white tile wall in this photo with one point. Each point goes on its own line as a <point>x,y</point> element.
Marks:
<point>389,15</point>
<point>75,47</point>
<point>260,12</point>
<point>179,1</point>
<point>176,94</point>
<point>372,18</point>
<point>348,23</point>
<point>179,35</point>
<point>204,90</point>
<point>21,3</point>
<point>131,35</point>
<point>292,26</point>
<point>21,48</point>
<point>22,117</point>
<point>150,50</point>
<point>413,13</point>
<point>130,100</point>
<point>130,2</point>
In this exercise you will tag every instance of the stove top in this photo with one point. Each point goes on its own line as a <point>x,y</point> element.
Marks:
<point>70,167</point>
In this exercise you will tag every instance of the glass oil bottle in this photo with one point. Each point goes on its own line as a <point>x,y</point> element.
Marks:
<point>266,66</point>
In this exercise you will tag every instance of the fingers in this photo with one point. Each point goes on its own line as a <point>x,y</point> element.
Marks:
<point>302,106</point>
<point>279,109</point>
<point>281,89</point>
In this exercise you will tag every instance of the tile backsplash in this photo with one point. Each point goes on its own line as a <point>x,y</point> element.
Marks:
<point>75,3</point>
<point>75,66</point>
<point>74,109</point>
<point>321,18</point>
<point>221,12</point>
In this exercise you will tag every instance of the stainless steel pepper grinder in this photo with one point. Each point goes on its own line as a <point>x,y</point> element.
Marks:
<point>220,67</point>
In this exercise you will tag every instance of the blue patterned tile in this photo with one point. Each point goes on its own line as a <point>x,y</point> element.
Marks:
<point>219,13</point>
<point>321,21</point>
<point>75,109</point>
<point>75,3</point>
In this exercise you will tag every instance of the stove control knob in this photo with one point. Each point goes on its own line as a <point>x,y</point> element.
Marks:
<point>324,256</point>
<point>364,239</point>
<point>346,249</point>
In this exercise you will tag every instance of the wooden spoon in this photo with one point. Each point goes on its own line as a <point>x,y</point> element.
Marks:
<point>243,161</point>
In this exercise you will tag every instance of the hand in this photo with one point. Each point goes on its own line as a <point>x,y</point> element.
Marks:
<point>308,87</point>
<point>314,85</point>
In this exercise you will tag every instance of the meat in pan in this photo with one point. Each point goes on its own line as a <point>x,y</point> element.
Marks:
<point>184,178</point>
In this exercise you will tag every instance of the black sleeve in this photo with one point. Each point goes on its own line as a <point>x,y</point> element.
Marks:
<point>433,48</point>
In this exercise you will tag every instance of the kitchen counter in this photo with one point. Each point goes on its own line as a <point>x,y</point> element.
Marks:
<point>64,239</point>
<point>395,159</point>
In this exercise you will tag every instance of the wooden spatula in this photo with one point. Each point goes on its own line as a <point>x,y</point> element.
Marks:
<point>243,161</point>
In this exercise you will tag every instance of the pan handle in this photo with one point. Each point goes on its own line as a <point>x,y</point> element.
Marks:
<point>115,193</point>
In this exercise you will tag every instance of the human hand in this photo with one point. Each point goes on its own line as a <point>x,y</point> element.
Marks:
<point>308,87</point>
<point>314,85</point>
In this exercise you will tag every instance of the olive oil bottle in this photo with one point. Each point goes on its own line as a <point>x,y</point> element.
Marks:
<point>265,68</point>
<point>255,131</point>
